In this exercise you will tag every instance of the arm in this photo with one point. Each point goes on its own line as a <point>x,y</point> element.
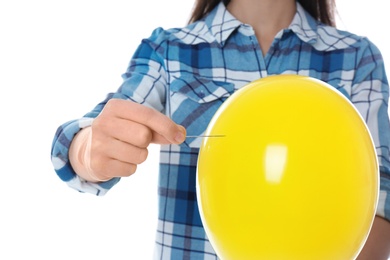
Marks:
<point>371,95</point>
<point>145,83</point>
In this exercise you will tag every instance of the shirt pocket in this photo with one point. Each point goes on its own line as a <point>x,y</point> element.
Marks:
<point>193,102</point>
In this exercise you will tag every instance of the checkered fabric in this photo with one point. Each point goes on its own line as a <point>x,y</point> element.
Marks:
<point>187,73</point>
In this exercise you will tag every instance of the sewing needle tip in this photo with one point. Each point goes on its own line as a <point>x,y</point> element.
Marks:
<point>196,136</point>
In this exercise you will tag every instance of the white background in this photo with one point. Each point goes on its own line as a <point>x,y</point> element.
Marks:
<point>57,60</point>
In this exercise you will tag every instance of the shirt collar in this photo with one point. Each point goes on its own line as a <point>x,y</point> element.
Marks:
<point>321,36</point>
<point>222,24</point>
<point>304,25</point>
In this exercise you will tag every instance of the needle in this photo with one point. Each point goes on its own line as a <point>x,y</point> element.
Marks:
<point>196,136</point>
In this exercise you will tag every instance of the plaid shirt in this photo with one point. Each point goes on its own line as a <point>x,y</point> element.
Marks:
<point>188,72</point>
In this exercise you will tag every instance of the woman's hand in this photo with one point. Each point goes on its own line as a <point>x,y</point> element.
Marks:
<point>118,139</point>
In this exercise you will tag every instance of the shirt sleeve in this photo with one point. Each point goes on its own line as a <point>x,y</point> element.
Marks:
<point>370,94</point>
<point>144,82</point>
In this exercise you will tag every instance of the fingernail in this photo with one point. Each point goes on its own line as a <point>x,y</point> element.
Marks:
<point>180,136</point>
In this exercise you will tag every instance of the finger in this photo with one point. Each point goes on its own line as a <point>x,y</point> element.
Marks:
<point>113,168</point>
<point>160,139</point>
<point>104,166</point>
<point>127,153</point>
<point>131,132</point>
<point>149,117</point>
<point>125,130</point>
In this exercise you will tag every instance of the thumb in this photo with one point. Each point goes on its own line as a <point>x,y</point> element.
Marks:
<point>167,131</point>
<point>179,135</point>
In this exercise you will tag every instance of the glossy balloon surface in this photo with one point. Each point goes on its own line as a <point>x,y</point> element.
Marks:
<point>295,177</point>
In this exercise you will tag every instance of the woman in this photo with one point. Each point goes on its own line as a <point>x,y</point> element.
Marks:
<point>186,74</point>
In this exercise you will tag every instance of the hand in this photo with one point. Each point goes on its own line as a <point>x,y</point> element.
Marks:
<point>120,137</point>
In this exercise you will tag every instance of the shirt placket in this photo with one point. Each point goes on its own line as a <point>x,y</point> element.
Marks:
<point>249,33</point>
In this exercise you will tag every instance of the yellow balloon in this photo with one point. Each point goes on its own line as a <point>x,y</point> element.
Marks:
<point>295,176</point>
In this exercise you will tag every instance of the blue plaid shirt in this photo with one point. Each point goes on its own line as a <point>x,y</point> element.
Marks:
<point>188,72</point>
